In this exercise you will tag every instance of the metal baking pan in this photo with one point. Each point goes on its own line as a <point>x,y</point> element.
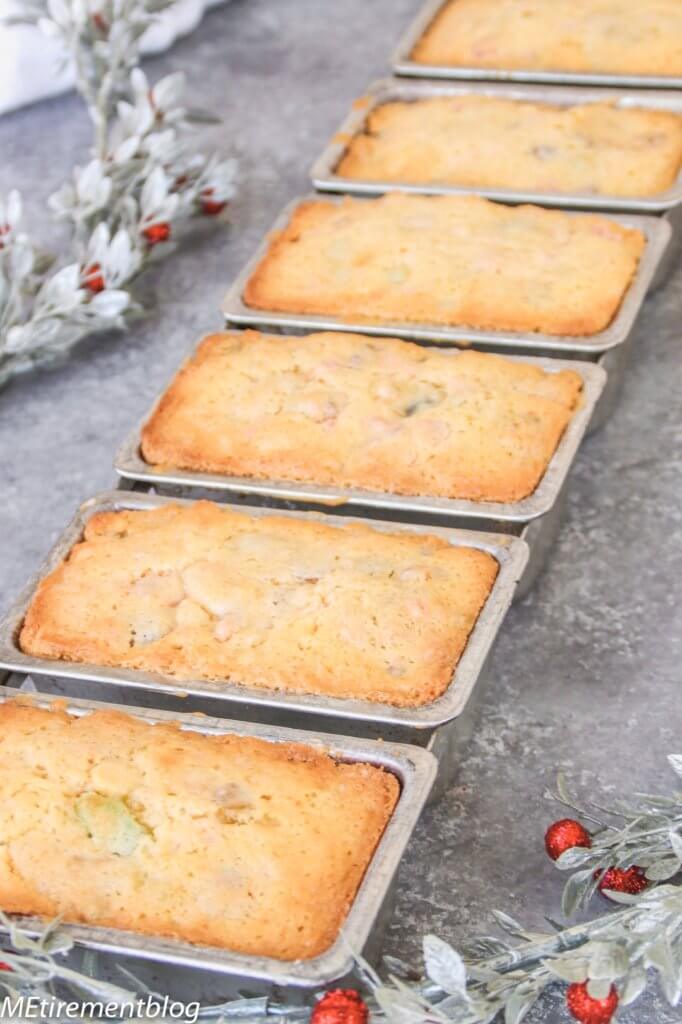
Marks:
<point>415,769</point>
<point>404,65</point>
<point>514,517</point>
<point>424,725</point>
<point>656,230</point>
<point>667,204</point>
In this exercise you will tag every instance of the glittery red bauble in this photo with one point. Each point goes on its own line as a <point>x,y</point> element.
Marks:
<point>588,1010</point>
<point>630,880</point>
<point>564,835</point>
<point>156,233</point>
<point>211,207</point>
<point>340,1006</point>
<point>93,279</point>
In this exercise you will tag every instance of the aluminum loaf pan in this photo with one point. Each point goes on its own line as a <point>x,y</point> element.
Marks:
<point>656,230</point>
<point>404,65</point>
<point>510,552</point>
<point>325,176</point>
<point>415,769</point>
<point>131,466</point>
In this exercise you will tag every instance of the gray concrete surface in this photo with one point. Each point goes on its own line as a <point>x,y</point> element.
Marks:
<point>586,672</point>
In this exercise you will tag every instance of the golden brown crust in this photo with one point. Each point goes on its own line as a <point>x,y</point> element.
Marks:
<point>625,37</point>
<point>201,592</point>
<point>220,840</point>
<point>371,413</point>
<point>448,260</point>
<point>478,141</point>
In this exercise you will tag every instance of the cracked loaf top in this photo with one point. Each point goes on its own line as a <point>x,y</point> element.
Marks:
<point>202,592</point>
<point>621,37</point>
<point>226,841</point>
<point>491,142</point>
<point>372,413</point>
<point>448,261</point>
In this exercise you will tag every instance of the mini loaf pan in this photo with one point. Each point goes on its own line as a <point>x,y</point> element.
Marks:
<point>656,230</point>
<point>415,769</point>
<point>478,515</point>
<point>404,65</point>
<point>390,90</point>
<point>361,717</point>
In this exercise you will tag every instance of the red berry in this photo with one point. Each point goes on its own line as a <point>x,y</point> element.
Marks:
<point>211,207</point>
<point>156,233</point>
<point>100,23</point>
<point>340,1006</point>
<point>4,230</point>
<point>630,880</point>
<point>588,1010</point>
<point>5,967</point>
<point>565,835</point>
<point>93,279</point>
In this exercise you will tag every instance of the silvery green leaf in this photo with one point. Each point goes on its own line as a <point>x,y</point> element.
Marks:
<point>634,986</point>
<point>138,82</point>
<point>62,287</point>
<point>110,303</point>
<point>574,858</point>
<point>569,969</point>
<point>154,191</point>
<point>168,90</point>
<point>444,965</point>
<point>675,762</point>
<point>92,186</point>
<point>397,1007</point>
<point>575,891</point>
<point>598,988</point>
<point>518,1006</point>
<point>664,869</point>
<point>607,960</point>
<point>21,260</point>
<point>509,924</point>
<point>127,149</point>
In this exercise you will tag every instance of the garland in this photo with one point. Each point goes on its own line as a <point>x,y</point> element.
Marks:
<point>126,208</point>
<point>604,963</point>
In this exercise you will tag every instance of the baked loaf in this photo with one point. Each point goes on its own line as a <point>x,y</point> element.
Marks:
<point>448,260</point>
<point>488,142</point>
<point>201,592</point>
<point>622,37</point>
<point>226,841</point>
<point>351,411</point>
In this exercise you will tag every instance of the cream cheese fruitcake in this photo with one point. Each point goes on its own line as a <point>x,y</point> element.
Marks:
<point>619,37</point>
<point>282,603</point>
<point>371,413</point>
<point>446,261</point>
<point>226,841</point>
<point>475,141</point>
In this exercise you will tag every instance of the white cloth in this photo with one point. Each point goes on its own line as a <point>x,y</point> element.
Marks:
<point>29,61</point>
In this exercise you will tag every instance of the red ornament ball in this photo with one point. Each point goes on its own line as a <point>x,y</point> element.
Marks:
<point>156,233</point>
<point>630,880</point>
<point>588,1010</point>
<point>211,207</point>
<point>340,1006</point>
<point>565,835</point>
<point>93,279</point>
